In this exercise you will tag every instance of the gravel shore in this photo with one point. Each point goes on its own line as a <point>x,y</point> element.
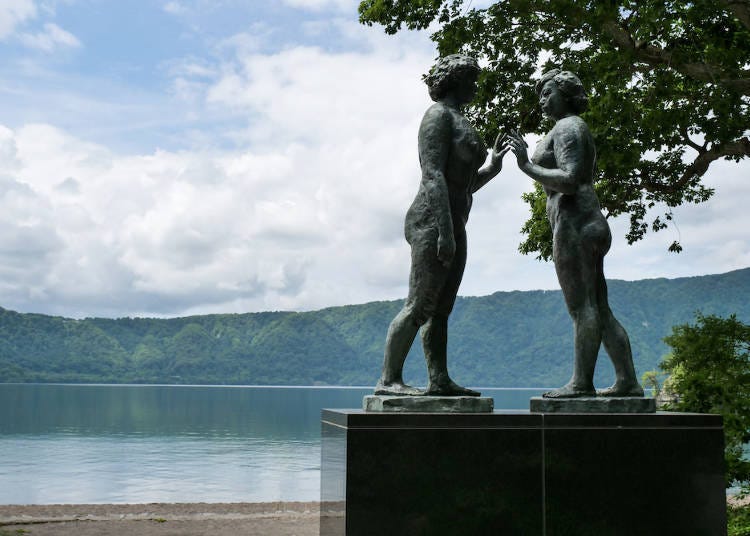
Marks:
<point>159,519</point>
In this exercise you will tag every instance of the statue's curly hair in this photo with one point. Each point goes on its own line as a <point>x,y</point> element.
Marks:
<point>570,86</point>
<point>447,71</point>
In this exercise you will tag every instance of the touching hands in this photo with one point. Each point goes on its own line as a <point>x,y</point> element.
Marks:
<point>499,148</point>
<point>515,142</point>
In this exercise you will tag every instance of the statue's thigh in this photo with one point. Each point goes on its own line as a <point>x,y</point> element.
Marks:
<point>576,264</point>
<point>455,273</point>
<point>427,277</point>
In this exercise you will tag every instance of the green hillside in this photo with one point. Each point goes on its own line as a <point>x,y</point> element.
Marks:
<point>507,339</point>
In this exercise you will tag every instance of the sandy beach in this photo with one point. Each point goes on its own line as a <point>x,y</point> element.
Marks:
<point>159,519</point>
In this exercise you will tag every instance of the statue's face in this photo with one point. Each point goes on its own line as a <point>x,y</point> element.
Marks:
<point>552,101</point>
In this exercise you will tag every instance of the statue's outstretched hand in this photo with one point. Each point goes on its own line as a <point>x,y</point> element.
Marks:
<point>515,143</point>
<point>499,148</point>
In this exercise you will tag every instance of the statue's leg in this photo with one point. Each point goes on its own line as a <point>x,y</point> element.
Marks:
<point>399,339</point>
<point>434,342</point>
<point>617,344</point>
<point>575,267</point>
<point>435,331</point>
<point>424,277</point>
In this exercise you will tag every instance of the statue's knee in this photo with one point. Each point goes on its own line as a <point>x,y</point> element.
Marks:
<point>419,313</point>
<point>585,314</point>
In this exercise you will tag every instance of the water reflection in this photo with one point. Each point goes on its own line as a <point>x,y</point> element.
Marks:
<point>120,444</point>
<point>195,411</point>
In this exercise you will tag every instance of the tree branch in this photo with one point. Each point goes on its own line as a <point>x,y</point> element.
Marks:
<point>656,56</point>
<point>699,166</point>
<point>740,9</point>
<point>738,148</point>
<point>691,143</point>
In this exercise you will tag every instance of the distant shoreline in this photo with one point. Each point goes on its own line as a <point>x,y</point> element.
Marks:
<point>251,386</point>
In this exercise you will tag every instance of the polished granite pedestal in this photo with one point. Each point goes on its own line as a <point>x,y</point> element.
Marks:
<point>522,473</point>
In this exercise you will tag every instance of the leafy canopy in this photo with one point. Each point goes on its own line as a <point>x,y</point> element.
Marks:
<point>669,83</point>
<point>709,370</point>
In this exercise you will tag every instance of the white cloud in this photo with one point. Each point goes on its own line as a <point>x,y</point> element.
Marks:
<point>306,213</point>
<point>50,39</point>
<point>175,8</point>
<point>247,42</point>
<point>289,221</point>
<point>13,13</point>
<point>159,233</point>
<point>305,93</point>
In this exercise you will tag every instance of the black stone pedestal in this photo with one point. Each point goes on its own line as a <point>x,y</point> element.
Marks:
<point>521,473</point>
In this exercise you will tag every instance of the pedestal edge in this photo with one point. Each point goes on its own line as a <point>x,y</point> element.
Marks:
<point>592,404</point>
<point>428,404</point>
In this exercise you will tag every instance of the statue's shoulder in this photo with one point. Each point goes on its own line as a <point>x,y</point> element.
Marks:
<point>438,112</point>
<point>437,121</point>
<point>572,123</point>
<point>571,128</point>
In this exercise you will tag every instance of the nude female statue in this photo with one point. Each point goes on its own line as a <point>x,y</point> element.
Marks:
<point>563,163</point>
<point>450,154</point>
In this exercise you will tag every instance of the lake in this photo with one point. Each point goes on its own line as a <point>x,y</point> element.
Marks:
<point>155,443</point>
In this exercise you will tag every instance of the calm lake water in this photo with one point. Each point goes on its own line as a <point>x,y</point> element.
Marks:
<point>152,443</point>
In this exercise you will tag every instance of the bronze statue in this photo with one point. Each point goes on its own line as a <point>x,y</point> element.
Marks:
<point>451,155</point>
<point>563,163</point>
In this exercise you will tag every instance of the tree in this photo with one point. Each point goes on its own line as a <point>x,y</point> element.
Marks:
<point>650,380</point>
<point>709,371</point>
<point>738,520</point>
<point>668,80</point>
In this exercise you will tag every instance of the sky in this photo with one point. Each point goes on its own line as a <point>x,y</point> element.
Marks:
<point>176,157</point>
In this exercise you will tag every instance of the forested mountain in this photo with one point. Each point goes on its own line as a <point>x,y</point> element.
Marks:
<point>507,339</point>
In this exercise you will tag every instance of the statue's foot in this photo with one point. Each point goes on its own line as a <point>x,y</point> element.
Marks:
<point>622,389</point>
<point>397,389</point>
<point>570,391</point>
<point>449,388</point>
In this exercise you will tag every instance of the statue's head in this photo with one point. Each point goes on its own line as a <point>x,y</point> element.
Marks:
<point>569,85</point>
<point>449,73</point>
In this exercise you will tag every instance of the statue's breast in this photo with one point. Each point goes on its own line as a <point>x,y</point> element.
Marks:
<point>467,145</point>
<point>544,154</point>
